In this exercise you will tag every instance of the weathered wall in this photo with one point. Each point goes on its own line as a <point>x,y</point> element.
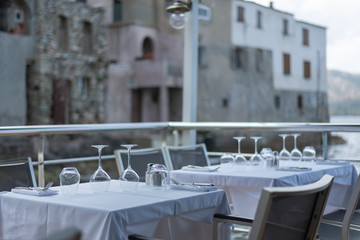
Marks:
<point>71,65</point>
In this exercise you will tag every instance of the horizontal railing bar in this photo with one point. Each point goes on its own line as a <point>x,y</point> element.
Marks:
<point>273,126</point>
<point>246,126</point>
<point>80,159</point>
<point>79,128</point>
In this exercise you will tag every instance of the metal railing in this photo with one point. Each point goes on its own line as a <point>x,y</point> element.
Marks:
<point>167,129</point>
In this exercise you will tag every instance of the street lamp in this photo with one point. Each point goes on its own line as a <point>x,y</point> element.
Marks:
<point>178,10</point>
<point>190,71</point>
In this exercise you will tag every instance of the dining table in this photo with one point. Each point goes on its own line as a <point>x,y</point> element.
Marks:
<point>244,183</point>
<point>168,213</point>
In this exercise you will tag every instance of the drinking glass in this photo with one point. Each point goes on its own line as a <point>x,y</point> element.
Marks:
<point>269,157</point>
<point>265,151</point>
<point>239,158</point>
<point>69,180</point>
<point>284,153</point>
<point>159,177</point>
<point>226,161</point>
<point>100,180</point>
<point>295,153</point>
<point>129,179</point>
<point>256,158</point>
<point>309,153</point>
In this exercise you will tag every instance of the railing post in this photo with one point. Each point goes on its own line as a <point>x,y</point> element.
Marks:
<point>176,137</point>
<point>41,175</point>
<point>325,145</point>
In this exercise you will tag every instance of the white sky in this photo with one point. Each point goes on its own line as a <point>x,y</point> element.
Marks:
<point>342,20</point>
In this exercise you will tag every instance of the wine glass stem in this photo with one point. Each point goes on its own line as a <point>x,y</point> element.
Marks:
<point>256,152</point>
<point>295,143</point>
<point>284,142</point>
<point>99,151</point>
<point>129,166</point>
<point>239,147</point>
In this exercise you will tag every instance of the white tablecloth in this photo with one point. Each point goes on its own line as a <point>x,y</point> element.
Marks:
<point>112,215</point>
<point>244,184</point>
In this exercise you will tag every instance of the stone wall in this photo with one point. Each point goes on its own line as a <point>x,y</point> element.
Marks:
<point>84,74</point>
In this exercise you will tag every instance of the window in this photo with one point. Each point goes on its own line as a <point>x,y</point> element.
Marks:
<point>277,101</point>
<point>87,38</point>
<point>300,102</point>
<point>307,68</point>
<point>240,14</point>
<point>225,102</point>
<point>286,63</point>
<point>259,65</point>
<point>202,56</point>
<point>148,49</point>
<point>238,60</point>
<point>117,10</point>
<point>285,27</point>
<point>305,37</point>
<point>259,19</point>
<point>204,13</point>
<point>63,39</point>
<point>84,85</point>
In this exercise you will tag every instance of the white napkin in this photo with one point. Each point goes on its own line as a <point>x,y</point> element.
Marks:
<point>200,169</point>
<point>34,191</point>
<point>195,188</point>
<point>294,169</point>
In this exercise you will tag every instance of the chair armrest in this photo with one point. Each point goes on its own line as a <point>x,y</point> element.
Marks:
<point>233,219</point>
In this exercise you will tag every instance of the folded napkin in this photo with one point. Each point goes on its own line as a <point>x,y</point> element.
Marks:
<point>200,169</point>
<point>196,188</point>
<point>34,191</point>
<point>328,162</point>
<point>294,169</point>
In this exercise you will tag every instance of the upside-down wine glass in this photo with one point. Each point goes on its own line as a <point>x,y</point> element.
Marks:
<point>129,179</point>
<point>284,153</point>
<point>295,153</point>
<point>100,180</point>
<point>239,158</point>
<point>256,158</point>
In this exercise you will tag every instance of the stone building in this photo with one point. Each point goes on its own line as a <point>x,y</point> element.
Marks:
<point>68,75</point>
<point>53,62</point>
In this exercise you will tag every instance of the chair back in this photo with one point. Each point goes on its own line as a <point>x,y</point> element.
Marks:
<point>291,212</point>
<point>352,206</point>
<point>140,159</point>
<point>180,156</point>
<point>17,172</point>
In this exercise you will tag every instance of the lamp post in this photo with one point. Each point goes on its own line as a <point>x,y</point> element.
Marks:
<point>190,11</point>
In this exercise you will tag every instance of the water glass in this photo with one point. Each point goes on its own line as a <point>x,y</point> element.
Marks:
<point>159,177</point>
<point>226,162</point>
<point>69,180</point>
<point>269,158</point>
<point>309,153</point>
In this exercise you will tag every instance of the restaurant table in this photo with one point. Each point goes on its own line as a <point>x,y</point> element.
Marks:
<point>166,214</point>
<point>243,184</point>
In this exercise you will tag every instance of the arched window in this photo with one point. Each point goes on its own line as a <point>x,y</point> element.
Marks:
<point>148,49</point>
